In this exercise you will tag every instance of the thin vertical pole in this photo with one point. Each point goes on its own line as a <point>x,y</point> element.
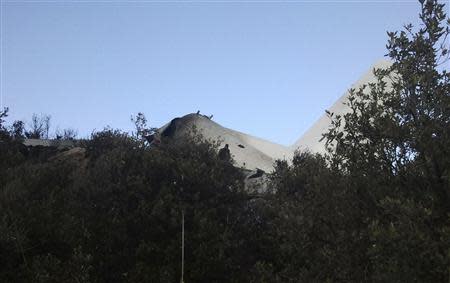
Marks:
<point>182,246</point>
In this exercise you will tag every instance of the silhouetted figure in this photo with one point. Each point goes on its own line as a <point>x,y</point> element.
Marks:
<point>224,153</point>
<point>198,112</point>
<point>257,174</point>
<point>210,117</point>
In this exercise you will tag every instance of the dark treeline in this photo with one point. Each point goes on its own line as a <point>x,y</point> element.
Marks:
<point>376,208</point>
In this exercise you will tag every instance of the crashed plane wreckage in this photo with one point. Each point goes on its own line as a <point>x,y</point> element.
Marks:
<point>254,154</point>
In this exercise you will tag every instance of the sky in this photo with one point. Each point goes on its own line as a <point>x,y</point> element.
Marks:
<point>266,68</point>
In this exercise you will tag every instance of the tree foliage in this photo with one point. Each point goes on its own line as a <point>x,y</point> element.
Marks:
<point>378,208</point>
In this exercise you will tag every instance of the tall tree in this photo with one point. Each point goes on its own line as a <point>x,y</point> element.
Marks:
<point>394,146</point>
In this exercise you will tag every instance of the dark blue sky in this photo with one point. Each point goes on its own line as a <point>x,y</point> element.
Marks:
<point>265,68</point>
